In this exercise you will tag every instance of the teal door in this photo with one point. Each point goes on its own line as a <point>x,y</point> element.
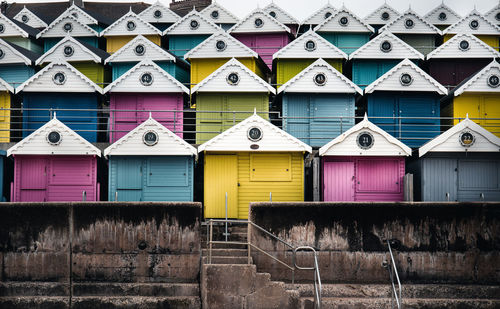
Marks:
<point>128,180</point>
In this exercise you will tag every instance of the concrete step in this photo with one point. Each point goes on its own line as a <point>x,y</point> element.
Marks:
<point>228,260</point>
<point>224,246</point>
<point>34,302</point>
<point>225,252</point>
<point>136,289</point>
<point>16,288</point>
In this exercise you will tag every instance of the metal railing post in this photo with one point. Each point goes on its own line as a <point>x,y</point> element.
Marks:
<point>270,196</point>
<point>84,196</point>
<point>210,243</point>
<point>116,196</point>
<point>225,234</point>
<point>447,195</point>
<point>175,121</point>
<point>249,233</point>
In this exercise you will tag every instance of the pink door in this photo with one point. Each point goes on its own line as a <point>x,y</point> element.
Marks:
<point>33,179</point>
<point>267,45</point>
<point>378,176</point>
<point>70,177</point>
<point>168,110</point>
<point>338,181</point>
<point>123,115</point>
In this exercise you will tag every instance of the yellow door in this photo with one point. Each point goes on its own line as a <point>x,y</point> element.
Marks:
<point>491,109</point>
<point>467,104</point>
<point>5,117</point>
<point>221,176</point>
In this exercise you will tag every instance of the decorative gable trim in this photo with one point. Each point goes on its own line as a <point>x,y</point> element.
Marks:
<point>492,14</point>
<point>281,15</point>
<point>18,57</point>
<point>79,14</point>
<point>4,86</point>
<point>17,31</point>
<point>334,23</point>
<point>436,16</point>
<point>249,24</point>
<point>120,27</point>
<point>166,15</point>
<point>208,48</point>
<point>223,16</point>
<point>87,54</point>
<point>398,49</point>
<point>152,52</point>
<point>56,29</point>
<point>29,18</point>
<point>420,25</point>
<point>485,26</point>
<point>476,48</point>
<point>378,17</point>
<point>183,26</point>
<point>297,48</point>
<point>320,15</point>
<point>481,81</point>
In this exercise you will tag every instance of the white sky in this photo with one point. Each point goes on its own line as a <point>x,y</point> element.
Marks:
<point>303,8</point>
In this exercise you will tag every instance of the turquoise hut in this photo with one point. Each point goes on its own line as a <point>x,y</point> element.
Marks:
<point>150,163</point>
<point>16,63</point>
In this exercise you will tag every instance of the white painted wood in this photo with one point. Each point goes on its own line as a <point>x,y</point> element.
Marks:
<point>56,29</point>
<point>400,50</point>
<point>79,14</point>
<point>236,139</point>
<point>346,144</point>
<point>11,29</point>
<point>422,82</point>
<point>449,141</point>
<point>71,143</point>
<point>332,24</point>
<point>247,24</point>
<point>421,26</point>
<point>4,86</point>
<point>217,81</point>
<point>132,143</point>
<point>335,81</point>
<point>11,55</point>
<point>320,15</point>
<point>152,52</point>
<point>162,81</point>
<point>119,27</point>
<point>451,49</point>
<point>479,82</point>
<point>296,49</point>
<point>491,14</point>
<point>281,15</point>
<point>167,15</point>
<point>433,15</point>
<point>375,17</point>
<point>182,26</point>
<point>43,80</point>
<point>224,16</point>
<point>33,20</point>
<point>207,49</point>
<point>56,53</point>
<point>486,27</point>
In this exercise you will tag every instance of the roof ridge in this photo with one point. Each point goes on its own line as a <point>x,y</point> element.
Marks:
<point>258,11</point>
<point>328,5</point>
<point>64,41</point>
<point>442,6</point>
<point>131,14</point>
<point>12,23</point>
<point>274,5</point>
<point>379,37</point>
<point>462,88</point>
<point>225,34</point>
<point>220,7</point>
<point>344,10</point>
<point>59,19</point>
<point>384,5</point>
<point>185,17</point>
<point>14,50</point>
<point>138,37</point>
<point>309,32</point>
<point>410,11</point>
<point>472,13</point>
<point>456,38</point>
<point>25,9</point>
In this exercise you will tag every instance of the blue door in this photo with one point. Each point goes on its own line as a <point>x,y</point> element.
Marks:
<point>422,124</point>
<point>296,112</point>
<point>168,178</point>
<point>127,174</point>
<point>332,114</point>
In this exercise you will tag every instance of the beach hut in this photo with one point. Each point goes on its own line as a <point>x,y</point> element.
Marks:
<point>459,58</point>
<point>82,56</point>
<point>54,164</point>
<point>29,18</point>
<point>188,32</point>
<point>479,97</point>
<point>139,49</point>
<point>6,91</point>
<point>462,164</point>
<point>226,97</point>
<point>218,49</point>
<point>475,23</point>
<point>442,16</point>
<point>62,88</point>
<point>494,14</point>
<point>263,34</point>
<point>317,17</point>
<point>159,16</point>
<point>365,163</point>
<point>146,88</point>
<point>318,104</point>
<point>16,63</point>
<point>378,56</point>
<point>415,31</point>
<point>302,52</point>
<point>383,15</point>
<point>282,16</point>
<point>95,21</point>
<point>126,28</point>
<point>345,30</point>
<point>404,102</point>
<point>219,15</point>
<point>20,34</point>
<point>150,163</point>
<point>252,161</point>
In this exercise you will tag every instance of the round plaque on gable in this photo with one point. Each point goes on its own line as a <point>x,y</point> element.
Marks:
<point>273,14</point>
<point>157,14</point>
<point>146,79</point>
<point>194,24</point>
<point>140,50</point>
<point>409,23</point>
<point>464,45</point>
<point>220,45</point>
<point>328,14</point>
<point>442,16</point>
<point>215,14</point>
<point>365,140</point>
<point>25,18</point>
<point>59,78</point>
<point>2,28</point>
<point>467,139</point>
<point>386,46</point>
<point>254,134</point>
<point>130,25</point>
<point>493,81</point>
<point>310,45</point>
<point>258,22</point>
<point>385,16</point>
<point>68,27</point>
<point>406,79</point>
<point>68,51</point>
<point>2,53</point>
<point>233,78</point>
<point>320,79</point>
<point>54,138</point>
<point>344,21</point>
<point>474,24</point>
<point>150,138</point>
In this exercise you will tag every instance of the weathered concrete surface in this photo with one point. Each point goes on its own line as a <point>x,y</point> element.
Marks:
<point>439,242</point>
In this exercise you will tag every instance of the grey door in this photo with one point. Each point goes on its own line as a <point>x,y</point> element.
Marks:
<point>439,179</point>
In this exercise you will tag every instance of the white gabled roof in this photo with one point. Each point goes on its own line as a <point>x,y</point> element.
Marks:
<point>281,15</point>
<point>320,15</point>
<point>56,29</point>
<point>168,144</point>
<point>335,81</point>
<point>217,81</point>
<point>247,25</point>
<point>273,138</point>
<point>479,82</point>
<point>491,14</point>
<point>11,55</point>
<point>119,27</point>
<point>296,48</point>
<point>224,16</point>
<point>11,29</point>
<point>32,21</point>
<point>400,49</point>
<point>486,27</point>
<point>130,80</point>
<point>346,144</point>
<point>82,16</point>
<point>331,24</point>
<point>182,26</point>
<point>451,50</point>
<point>449,141</point>
<point>433,16</point>
<point>80,52</point>
<point>421,26</point>
<point>207,49</point>
<point>167,15</point>
<point>71,143</point>
<point>422,81</point>
<point>375,17</point>
<point>152,52</point>
<point>4,86</point>
<point>43,80</point>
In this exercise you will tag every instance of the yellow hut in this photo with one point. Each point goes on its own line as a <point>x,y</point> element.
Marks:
<point>253,161</point>
<point>5,91</point>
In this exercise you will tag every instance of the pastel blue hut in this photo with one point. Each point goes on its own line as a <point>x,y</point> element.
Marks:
<point>20,34</point>
<point>405,102</point>
<point>62,88</point>
<point>16,63</point>
<point>318,104</point>
<point>150,163</point>
<point>378,56</point>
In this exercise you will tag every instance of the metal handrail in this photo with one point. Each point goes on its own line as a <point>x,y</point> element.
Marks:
<point>317,277</point>
<point>393,271</point>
